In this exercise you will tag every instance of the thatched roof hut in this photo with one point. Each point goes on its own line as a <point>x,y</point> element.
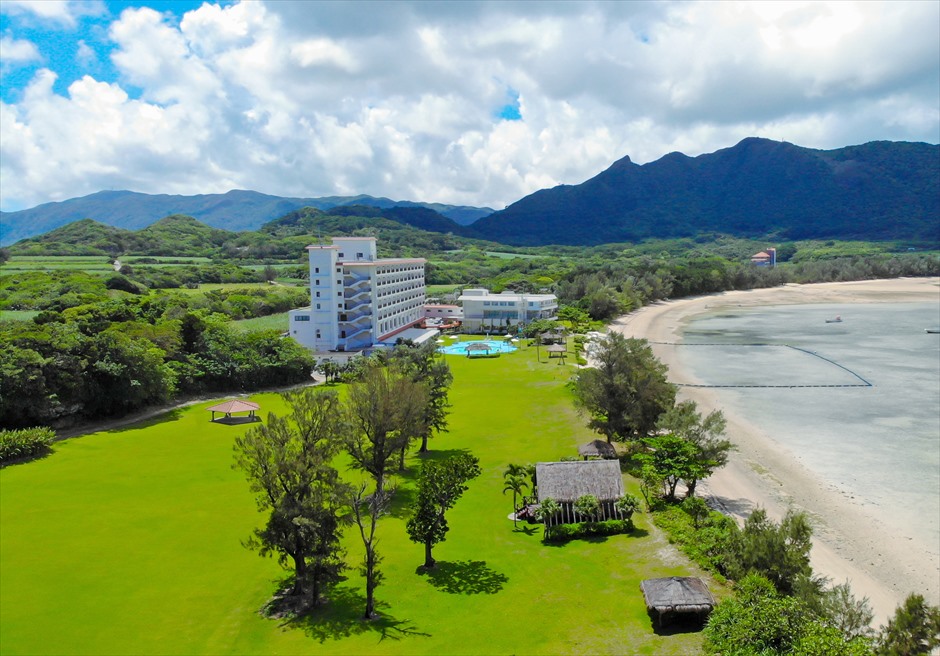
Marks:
<point>677,598</point>
<point>478,348</point>
<point>557,349</point>
<point>550,338</point>
<point>597,449</point>
<point>566,482</point>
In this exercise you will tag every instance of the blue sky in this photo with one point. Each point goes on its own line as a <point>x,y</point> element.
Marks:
<point>73,49</point>
<point>455,102</point>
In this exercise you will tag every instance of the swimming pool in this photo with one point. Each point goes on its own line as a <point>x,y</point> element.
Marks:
<point>495,346</point>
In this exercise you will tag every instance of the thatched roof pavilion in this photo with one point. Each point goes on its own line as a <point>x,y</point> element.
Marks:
<point>550,338</point>
<point>566,482</point>
<point>676,598</point>
<point>597,449</point>
<point>228,408</point>
<point>478,348</point>
<point>556,349</point>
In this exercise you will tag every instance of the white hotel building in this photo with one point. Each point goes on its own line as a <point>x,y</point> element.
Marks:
<point>483,310</point>
<point>356,299</point>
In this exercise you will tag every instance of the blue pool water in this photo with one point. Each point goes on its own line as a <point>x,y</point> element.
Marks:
<point>460,348</point>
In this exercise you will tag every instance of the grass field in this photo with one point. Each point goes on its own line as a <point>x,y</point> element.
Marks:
<point>272,321</point>
<point>89,264</point>
<point>128,541</point>
<point>17,315</point>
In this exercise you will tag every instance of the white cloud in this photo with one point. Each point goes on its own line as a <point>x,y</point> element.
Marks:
<point>64,13</point>
<point>402,99</point>
<point>15,51</point>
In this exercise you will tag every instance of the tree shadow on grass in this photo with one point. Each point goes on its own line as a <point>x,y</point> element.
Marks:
<point>341,617</point>
<point>526,529</point>
<point>41,454</point>
<point>464,577</point>
<point>132,423</point>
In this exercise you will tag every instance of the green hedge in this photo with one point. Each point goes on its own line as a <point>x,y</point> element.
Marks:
<point>24,443</point>
<point>706,545</point>
<point>566,532</point>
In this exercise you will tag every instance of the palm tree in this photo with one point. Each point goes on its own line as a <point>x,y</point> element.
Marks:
<point>517,485</point>
<point>514,470</point>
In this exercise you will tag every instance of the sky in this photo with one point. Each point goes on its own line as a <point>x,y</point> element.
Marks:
<point>464,103</point>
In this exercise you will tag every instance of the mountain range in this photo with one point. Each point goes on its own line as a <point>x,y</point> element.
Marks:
<point>235,210</point>
<point>758,188</point>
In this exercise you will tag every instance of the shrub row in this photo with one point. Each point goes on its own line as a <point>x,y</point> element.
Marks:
<point>24,443</point>
<point>566,532</point>
<point>706,545</point>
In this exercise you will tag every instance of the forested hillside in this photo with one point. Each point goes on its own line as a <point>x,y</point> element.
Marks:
<point>235,210</point>
<point>400,231</point>
<point>759,188</point>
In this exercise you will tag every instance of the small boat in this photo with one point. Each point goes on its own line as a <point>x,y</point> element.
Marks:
<point>838,319</point>
<point>932,331</point>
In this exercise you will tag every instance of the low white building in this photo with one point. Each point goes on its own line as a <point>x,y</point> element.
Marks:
<point>356,299</point>
<point>485,311</point>
<point>443,312</point>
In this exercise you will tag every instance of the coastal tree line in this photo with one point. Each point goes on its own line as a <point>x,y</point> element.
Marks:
<point>779,605</point>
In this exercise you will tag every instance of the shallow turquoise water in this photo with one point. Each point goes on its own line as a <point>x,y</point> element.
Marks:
<point>460,348</point>
<point>880,444</point>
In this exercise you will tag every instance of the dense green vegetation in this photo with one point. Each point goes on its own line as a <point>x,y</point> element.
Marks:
<point>24,443</point>
<point>108,356</point>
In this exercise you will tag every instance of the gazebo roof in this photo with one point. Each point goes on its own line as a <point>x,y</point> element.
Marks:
<point>598,448</point>
<point>567,481</point>
<point>556,348</point>
<point>235,406</point>
<point>684,594</point>
<point>478,346</point>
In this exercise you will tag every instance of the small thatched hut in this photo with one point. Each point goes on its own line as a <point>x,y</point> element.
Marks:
<point>557,349</point>
<point>566,482</point>
<point>478,348</point>
<point>597,449</point>
<point>677,598</point>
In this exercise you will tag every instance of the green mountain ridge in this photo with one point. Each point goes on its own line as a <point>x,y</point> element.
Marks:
<point>876,191</point>
<point>401,230</point>
<point>235,210</point>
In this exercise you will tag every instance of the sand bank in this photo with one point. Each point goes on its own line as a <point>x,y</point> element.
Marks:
<point>851,543</point>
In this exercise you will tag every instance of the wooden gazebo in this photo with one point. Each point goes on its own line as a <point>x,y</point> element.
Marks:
<point>228,408</point>
<point>677,598</point>
<point>556,349</point>
<point>597,449</point>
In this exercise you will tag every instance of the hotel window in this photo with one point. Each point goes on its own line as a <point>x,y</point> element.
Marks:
<point>318,294</point>
<point>318,306</point>
<point>316,269</point>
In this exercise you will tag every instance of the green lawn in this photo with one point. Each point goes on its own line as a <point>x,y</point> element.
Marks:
<point>128,541</point>
<point>277,321</point>
<point>99,264</point>
<point>17,315</point>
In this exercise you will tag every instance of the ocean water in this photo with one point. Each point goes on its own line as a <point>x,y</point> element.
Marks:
<point>857,402</point>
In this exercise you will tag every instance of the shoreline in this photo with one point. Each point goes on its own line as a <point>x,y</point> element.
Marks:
<point>849,542</point>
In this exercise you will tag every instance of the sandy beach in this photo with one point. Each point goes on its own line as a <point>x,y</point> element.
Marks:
<point>850,542</point>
